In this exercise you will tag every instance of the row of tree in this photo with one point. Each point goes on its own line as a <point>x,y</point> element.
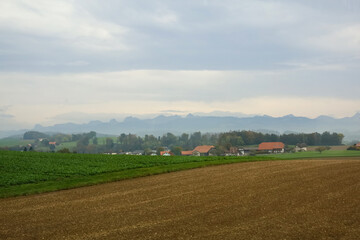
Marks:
<point>88,142</point>
<point>223,141</point>
<point>239,138</point>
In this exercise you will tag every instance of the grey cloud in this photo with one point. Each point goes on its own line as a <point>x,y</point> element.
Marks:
<point>82,117</point>
<point>173,111</point>
<point>2,115</point>
<point>92,52</point>
<point>167,86</point>
<point>121,35</point>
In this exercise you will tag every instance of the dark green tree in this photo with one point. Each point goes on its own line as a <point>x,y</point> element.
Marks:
<point>176,150</point>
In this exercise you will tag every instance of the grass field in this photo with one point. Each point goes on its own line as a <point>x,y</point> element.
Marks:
<point>9,142</point>
<point>313,154</point>
<point>23,173</point>
<point>69,145</point>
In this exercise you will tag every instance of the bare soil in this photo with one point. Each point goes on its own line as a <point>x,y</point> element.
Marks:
<point>337,148</point>
<point>298,199</point>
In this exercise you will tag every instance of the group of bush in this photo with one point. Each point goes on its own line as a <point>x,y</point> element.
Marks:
<point>354,147</point>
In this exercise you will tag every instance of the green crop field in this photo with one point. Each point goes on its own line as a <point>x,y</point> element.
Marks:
<point>24,173</point>
<point>33,172</point>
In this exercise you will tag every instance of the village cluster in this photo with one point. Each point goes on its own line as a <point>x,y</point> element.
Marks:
<point>209,150</point>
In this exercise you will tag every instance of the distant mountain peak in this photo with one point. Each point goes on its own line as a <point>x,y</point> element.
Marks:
<point>131,119</point>
<point>160,117</point>
<point>113,121</point>
<point>38,126</point>
<point>357,115</point>
<point>324,117</point>
<point>95,122</point>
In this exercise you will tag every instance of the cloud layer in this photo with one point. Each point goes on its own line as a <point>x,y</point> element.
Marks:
<point>142,57</point>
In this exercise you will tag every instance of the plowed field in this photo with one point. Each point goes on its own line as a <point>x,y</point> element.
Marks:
<point>302,199</point>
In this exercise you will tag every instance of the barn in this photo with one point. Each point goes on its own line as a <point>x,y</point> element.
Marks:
<point>272,147</point>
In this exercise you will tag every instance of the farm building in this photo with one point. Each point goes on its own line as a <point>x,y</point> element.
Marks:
<point>204,150</point>
<point>187,153</point>
<point>358,144</point>
<point>272,147</point>
<point>234,151</point>
<point>138,152</point>
<point>190,153</point>
<point>248,150</point>
<point>300,149</point>
<point>166,153</point>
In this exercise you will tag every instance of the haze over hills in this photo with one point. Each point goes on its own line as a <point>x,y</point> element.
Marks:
<point>349,126</point>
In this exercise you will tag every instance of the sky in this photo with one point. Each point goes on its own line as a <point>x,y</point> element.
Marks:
<point>76,61</point>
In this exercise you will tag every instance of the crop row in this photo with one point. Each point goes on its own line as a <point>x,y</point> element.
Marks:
<point>30,167</point>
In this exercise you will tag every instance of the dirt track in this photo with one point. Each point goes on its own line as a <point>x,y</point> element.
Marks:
<point>308,199</point>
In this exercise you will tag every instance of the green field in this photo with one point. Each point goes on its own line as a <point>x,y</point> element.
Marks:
<point>69,145</point>
<point>23,173</point>
<point>313,154</point>
<point>8,142</point>
<point>34,172</point>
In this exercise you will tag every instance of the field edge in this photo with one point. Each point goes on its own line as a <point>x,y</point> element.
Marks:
<point>65,184</point>
<point>89,180</point>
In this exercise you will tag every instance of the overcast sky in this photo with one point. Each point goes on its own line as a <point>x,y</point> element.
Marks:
<point>67,60</point>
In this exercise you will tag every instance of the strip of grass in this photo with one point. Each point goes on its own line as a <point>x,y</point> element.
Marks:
<point>8,142</point>
<point>324,154</point>
<point>69,145</point>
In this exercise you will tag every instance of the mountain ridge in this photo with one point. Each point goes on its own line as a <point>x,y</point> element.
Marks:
<point>161,124</point>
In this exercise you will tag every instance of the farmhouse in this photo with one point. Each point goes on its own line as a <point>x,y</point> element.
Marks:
<point>187,153</point>
<point>166,153</point>
<point>138,152</point>
<point>234,151</point>
<point>204,150</point>
<point>300,149</point>
<point>248,150</point>
<point>357,145</point>
<point>272,147</point>
<point>190,153</point>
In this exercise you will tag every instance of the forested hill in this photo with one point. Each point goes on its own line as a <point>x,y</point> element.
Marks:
<point>349,126</point>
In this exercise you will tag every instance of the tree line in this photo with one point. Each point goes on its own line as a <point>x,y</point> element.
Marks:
<point>222,141</point>
<point>88,142</point>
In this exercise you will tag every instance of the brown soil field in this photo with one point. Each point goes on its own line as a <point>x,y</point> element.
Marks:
<point>338,148</point>
<point>298,199</point>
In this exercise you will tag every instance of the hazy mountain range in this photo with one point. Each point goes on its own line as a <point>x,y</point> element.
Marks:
<point>349,126</point>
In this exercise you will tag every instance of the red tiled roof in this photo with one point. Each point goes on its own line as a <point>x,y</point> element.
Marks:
<point>271,145</point>
<point>52,143</point>
<point>163,152</point>
<point>358,144</point>
<point>186,153</point>
<point>204,148</point>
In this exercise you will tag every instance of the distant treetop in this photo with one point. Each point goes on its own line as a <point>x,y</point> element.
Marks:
<point>34,135</point>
